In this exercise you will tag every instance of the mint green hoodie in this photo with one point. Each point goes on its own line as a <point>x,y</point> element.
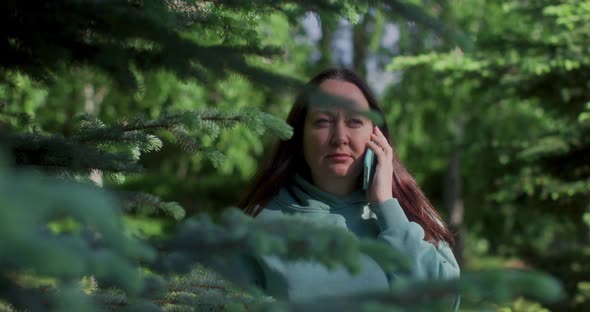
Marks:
<point>302,280</point>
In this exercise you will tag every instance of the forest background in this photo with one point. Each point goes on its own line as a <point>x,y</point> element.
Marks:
<point>488,103</point>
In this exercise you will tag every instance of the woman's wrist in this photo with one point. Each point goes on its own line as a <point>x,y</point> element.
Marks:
<point>390,215</point>
<point>380,200</point>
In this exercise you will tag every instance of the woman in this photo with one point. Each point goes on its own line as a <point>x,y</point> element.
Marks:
<point>317,174</point>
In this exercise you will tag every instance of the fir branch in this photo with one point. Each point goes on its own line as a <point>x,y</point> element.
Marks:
<point>117,300</point>
<point>21,297</point>
<point>260,122</point>
<point>93,131</point>
<point>222,118</point>
<point>117,177</point>
<point>202,288</point>
<point>214,156</point>
<point>219,246</point>
<point>264,5</point>
<point>253,119</point>
<point>59,153</point>
<point>96,249</point>
<point>186,142</point>
<point>6,307</point>
<point>21,118</point>
<point>147,204</point>
<point>111,300</point>
<point>89,38</point>
<point>136,134</point>
<point>494,286</point>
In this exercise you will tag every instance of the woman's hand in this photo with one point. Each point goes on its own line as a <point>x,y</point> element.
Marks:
<point>380,189</point>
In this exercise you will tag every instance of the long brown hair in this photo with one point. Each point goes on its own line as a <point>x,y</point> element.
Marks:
<point>286,160</point>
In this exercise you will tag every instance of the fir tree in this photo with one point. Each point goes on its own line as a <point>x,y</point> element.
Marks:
<point>64,243</point>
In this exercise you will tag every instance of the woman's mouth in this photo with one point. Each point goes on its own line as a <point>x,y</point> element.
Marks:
<point>338,157</point>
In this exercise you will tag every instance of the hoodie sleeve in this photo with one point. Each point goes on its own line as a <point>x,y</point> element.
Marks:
<point>428,261</point>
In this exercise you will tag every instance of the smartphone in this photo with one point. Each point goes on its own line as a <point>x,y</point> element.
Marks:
<point>368,168</point>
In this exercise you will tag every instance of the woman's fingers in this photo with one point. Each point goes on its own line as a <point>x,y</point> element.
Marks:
<point>377,149</point>
<point>381,188</point>
<point>379,139</point>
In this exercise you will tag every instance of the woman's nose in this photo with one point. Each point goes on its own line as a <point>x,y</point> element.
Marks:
<point>339,133</point>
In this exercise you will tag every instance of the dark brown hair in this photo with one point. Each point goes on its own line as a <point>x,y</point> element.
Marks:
<point>286,160</point>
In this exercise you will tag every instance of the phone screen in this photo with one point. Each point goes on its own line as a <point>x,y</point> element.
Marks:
<point>367,168</point>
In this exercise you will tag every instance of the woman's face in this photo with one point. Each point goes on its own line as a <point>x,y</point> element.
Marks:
<point>335,137</point>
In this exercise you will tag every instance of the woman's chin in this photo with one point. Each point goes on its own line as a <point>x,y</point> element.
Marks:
<point>340,172</point>
<point>338,175</point>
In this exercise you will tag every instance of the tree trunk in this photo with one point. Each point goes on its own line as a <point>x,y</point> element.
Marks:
<point>453,191</point>
<point>92,100</point>
<point>325,45</point>
<point>360,46</point>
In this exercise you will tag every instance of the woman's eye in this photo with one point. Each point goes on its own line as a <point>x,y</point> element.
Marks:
<point>356,122</point>
<point>322,122</point>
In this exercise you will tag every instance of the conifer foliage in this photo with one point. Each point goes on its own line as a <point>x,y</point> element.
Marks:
<point>65,246</point>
